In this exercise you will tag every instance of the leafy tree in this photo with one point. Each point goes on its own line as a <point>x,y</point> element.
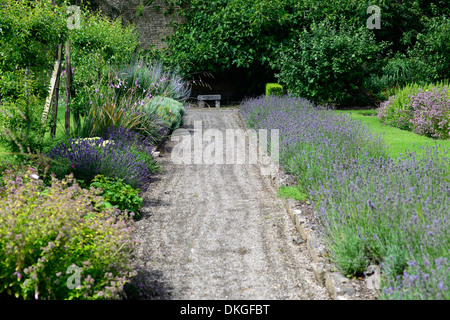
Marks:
<point>329,62</point>
<point>247,37</point>
<point>29,33</point>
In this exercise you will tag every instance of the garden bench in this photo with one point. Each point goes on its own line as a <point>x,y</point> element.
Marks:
<point>202,98</point>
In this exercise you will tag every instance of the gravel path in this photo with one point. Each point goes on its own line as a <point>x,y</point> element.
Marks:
<point>219,231</point>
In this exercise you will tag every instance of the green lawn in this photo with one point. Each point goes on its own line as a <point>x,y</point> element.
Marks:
<point>60,128</point>
<point>399,141</point>
<point>60,122</point>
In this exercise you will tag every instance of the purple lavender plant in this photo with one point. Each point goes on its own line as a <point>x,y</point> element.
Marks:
<point>373,209</point>
<point>87,158</point>
<point>125,137</point>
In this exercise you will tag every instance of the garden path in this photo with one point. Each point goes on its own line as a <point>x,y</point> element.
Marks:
<point>218,231</point>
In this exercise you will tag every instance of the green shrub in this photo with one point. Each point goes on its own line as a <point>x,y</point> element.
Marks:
<point>99,44</point>
<point>170,111</point>
<point>274,89</point>
<point>21,129</point>
<point>118,194</point>
<point>29,30</point>
<point>50,237</point>
<point>398,72</point>
<point>433,48</point>
<point>329,62</point>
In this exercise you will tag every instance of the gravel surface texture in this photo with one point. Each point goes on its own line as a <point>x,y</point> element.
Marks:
<point>218,231</point>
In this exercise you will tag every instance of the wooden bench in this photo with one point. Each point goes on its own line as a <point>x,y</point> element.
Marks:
<point>212,97</point>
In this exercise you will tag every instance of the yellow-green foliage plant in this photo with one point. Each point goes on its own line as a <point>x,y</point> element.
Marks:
<point>274,89</point>
<point>59,242</point>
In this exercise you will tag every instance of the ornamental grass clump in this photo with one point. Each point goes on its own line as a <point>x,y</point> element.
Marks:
<point>153,79</point>
<point>59,243</point>
<point>119,105</point>
<point>372,209</point>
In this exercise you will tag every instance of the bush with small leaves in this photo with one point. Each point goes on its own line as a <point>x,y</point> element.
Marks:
<point>118,194</point>
<point>170,111</point>
<point>58,242</point>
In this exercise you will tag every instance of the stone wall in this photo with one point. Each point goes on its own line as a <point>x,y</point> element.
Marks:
<point>153,24</point>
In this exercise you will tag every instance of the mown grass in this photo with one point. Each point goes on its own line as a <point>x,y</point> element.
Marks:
<point>291,192</point>
<point>5,154</point>
<point>399,141</point>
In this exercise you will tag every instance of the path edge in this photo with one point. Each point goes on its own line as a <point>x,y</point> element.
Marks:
<point>325,271</point>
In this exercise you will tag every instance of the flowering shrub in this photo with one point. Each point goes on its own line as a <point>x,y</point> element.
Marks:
<point>395,113</point>
<point>141,145</point>
<point>373,209</point>
<point>431,113</point>
<point>88,158</point>
<point>123,136</point>
<point>58,243</point>
<point>422,109</point>
<point>152,79</point>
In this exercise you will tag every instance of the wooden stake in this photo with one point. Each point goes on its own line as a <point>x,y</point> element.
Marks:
<point>67,93</point>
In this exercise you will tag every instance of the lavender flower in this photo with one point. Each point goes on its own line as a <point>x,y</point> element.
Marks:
<point>373,209</point>
<point>89,158</point>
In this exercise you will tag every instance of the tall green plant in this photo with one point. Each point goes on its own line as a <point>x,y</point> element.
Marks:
<point>29,32</point>
<point>98,44</point>
<point>329,62</point>
<point>108,109</point>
